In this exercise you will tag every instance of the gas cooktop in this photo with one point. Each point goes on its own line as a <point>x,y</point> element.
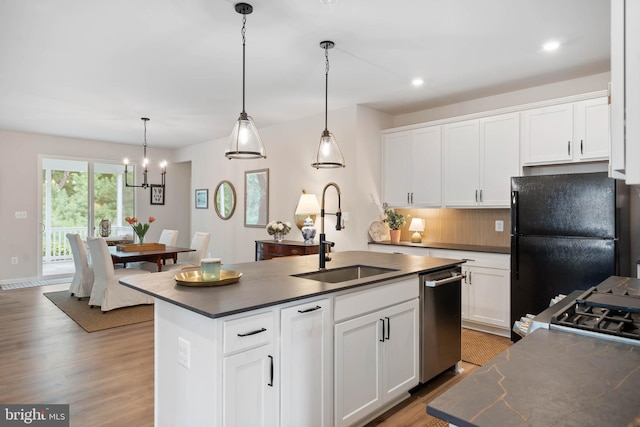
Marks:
<point>611,308</point>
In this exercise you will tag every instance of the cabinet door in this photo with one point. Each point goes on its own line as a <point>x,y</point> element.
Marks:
<point>548,134</point>
<point>461,163</point>
<point>250,394</point>
<point>464,293</point>
<point>489,296</point>
<point>426,167</point>
<point>306,368</point>
<point>396,168</point>
<point>499,158</point>
<point>358,389</point>
<point>400,360</point>
<point>591,129</point>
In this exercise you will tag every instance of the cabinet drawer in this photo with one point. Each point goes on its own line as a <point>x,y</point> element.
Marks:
<point>370,299</point>
<point>247,332</point>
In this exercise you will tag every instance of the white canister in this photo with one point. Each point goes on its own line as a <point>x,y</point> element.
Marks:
<point>210,269</point>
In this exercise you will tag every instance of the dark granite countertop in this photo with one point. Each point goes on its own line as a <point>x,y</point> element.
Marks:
<point>452,246</point>
<point>549,378</point>
<point>266,283</point>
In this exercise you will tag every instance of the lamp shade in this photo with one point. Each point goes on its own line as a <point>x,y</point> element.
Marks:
<point>328,154</point>
<point>245,141</point>
<point>308,205</point>
<point>417,224</point>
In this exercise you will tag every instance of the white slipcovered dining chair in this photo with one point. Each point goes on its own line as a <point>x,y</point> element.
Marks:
<point>167,237</point>
<point>82,282</point>
<point>200,243</point>
<point>107,292</point>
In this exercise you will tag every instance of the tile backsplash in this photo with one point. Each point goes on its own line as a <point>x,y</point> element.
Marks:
<point>461,226</point>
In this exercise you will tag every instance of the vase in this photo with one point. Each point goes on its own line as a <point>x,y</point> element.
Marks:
<point>278,236</point>
<point>140,238</point>
<point>395,236</point>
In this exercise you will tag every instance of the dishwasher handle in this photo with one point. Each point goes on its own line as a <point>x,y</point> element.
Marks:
<point>434,283</point>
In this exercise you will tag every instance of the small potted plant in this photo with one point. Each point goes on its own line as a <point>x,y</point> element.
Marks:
<point>278,229</point>
<point>394,220</point>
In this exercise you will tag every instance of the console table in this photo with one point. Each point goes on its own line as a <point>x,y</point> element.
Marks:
<point>267,249</point>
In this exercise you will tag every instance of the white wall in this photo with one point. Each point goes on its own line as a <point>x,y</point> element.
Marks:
<point>20,180</point>
<point>290,147</point>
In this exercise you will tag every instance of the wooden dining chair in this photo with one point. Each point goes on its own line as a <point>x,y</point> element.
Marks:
<point>107,292</point>
<point>82,282</point>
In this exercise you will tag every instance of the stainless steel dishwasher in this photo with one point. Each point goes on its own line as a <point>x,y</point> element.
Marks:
<point>440,322</point>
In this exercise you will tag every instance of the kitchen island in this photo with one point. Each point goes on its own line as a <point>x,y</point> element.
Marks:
<point>549,378</point>
<point>278,349</point>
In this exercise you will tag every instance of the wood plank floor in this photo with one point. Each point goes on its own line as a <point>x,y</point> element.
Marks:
<point>45,357</point>
<point>107,376</point>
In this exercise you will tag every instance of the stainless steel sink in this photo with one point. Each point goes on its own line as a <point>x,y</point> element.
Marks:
<point>342,274</point>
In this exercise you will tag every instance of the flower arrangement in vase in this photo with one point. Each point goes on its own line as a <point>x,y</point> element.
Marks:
<point>278,229</point>
<point>139,228</point>
<point>394,220</point>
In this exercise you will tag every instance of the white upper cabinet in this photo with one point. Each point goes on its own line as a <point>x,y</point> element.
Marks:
<point>412,170</point>
<point>462,163</point>
<point>480,157</point>
<point>566,133</point>
<point>499,158</point>
<point>591,129</point>
<point>625,87</point>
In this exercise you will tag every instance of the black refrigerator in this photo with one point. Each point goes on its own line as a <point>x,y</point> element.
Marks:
<point>568,232</point>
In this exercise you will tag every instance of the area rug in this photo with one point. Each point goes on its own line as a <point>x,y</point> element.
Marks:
<point>34,283</point>
<point>93,319</point>
<point>478,347</point>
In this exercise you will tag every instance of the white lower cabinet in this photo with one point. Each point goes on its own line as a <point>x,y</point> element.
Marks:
<point>306,368</point>
<point>485,289</point>
<point>250,388</point>
<point>250,380</point>
<point>376,360</point>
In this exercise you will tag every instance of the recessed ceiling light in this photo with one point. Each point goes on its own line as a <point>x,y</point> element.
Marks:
<point>550,46</point>
<point>417,82</point>
<point>328,1</point>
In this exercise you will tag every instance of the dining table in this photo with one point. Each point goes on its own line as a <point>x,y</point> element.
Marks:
<point>158,256</point>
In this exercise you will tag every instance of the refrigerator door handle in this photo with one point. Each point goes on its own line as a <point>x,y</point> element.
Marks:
<point>514,212</point>
<point>516,255</point>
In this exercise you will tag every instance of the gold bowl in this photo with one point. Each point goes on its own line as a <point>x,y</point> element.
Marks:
<point>194,278</point>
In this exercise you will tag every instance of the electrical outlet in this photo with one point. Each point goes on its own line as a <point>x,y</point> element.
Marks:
<point>345,216</point>
<point>184,352</point>
<point>14,260</point>
<point>499,225</point>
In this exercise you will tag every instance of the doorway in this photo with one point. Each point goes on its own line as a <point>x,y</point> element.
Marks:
<point>76,196</point>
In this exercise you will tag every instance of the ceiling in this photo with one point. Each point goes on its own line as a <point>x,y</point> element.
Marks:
<point>91,68</point>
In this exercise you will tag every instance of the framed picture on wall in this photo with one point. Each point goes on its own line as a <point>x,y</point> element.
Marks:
<point>202,199</point>
<point>157,194</point>
<point>256,198</point>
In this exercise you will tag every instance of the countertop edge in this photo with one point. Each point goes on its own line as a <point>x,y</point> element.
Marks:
<point>273,282</point>
<point>449,246</point>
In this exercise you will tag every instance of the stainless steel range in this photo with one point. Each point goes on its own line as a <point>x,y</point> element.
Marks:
<point>610,310</point>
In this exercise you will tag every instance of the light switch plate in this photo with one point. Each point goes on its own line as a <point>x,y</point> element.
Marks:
<point>184,352</point>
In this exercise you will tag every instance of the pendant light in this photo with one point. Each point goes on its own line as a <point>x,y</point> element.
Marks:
<point>245,141</point>
<point>145,165</point>
<point>328,154</point>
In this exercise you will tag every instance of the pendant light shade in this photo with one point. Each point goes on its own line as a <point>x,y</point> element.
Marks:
<point>245,141</point>
<point>328,154</point>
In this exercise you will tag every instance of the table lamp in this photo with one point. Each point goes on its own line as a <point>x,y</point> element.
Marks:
<point>417,225</point>
<point>307,205</point>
